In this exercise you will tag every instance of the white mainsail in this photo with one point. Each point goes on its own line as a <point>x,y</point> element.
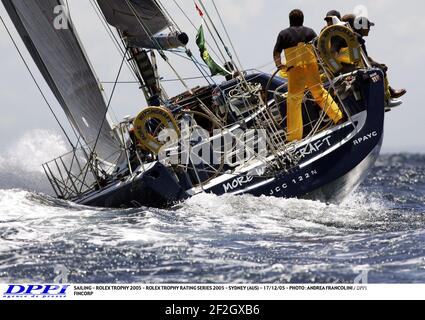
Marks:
<point>61,59</point>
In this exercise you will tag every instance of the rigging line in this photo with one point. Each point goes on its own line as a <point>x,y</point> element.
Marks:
<point>111,35</point>
<point>193,25</point>
<point>227,34</point>
<point>144,27</point>
<point>38,86</point>
<point>161,51</point>
<point>116,46</point>
<point>216,31</point>
<point>264,66</point>
<point>74,27</point>
<point>161,6</point>
<point>189,59</point>
<point>109,103</point>
<point>150,35</point>
<point>202,104</point>
<point>69,11</point>
<point>202,68</point>
<point>197,64</point>
<point>165,80</point>
<point>243,79</point>
<point>107,28</point>
<point>153,39</point>
<point>215,41</point>
<point>120,45</point>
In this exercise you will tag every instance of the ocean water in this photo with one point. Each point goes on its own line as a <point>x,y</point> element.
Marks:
<point>379,232</point>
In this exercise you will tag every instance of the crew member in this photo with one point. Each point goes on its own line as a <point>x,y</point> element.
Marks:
<point>303,72</point>
<point>362,28</point>
<point>330,15</point>
<point>336,42</point>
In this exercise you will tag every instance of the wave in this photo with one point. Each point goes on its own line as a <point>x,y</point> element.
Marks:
<point>365,210</point>
<point>207,238</point>
<point>205,214</point>
<point>227,239</point>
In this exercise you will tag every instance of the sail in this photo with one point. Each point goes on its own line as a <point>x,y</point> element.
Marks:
<point>61,59</point>
<point>141,21</point>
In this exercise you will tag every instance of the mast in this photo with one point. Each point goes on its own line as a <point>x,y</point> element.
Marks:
<point>148,77</point>
<point>140,23</point>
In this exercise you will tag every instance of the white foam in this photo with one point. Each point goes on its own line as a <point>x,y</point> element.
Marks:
<point>21,164</point>
<point>277,216</point>
<point>27,218</point>
<point>32,150</point>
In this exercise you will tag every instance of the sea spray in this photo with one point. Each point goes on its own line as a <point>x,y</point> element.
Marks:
<point>21,164</point>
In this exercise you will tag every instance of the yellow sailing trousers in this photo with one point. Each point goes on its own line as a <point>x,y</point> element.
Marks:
<point>387,89</point>
<point>300,78</point>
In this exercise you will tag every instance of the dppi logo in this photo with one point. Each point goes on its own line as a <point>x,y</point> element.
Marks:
<point>36,291</point>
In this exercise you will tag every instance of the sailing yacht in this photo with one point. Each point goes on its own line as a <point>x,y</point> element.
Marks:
<point>221,138</point>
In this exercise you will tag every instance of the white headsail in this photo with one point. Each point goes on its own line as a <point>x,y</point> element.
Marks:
<point>60,58</point>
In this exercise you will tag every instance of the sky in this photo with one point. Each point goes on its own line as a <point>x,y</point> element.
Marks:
<point>253,26</point>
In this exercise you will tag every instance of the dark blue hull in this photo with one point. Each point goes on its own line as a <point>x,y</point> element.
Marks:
<point>332,164</point>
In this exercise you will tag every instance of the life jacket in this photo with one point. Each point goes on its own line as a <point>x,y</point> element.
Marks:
<point>299,56</point>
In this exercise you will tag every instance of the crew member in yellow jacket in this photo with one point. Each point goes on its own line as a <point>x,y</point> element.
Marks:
<point>303,73</point>
<point>361,26</point>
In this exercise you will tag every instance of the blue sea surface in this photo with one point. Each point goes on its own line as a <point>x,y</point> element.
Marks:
<point>379,231</point>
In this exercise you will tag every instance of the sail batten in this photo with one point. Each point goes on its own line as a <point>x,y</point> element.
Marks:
<point>64,65</point>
